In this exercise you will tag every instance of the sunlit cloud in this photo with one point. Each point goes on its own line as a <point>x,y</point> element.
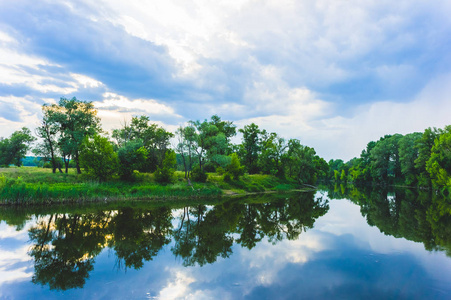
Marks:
<point>177,287</point>
<point>17,112</point>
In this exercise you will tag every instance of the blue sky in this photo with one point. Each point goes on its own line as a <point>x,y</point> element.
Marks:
<point>334,74</point>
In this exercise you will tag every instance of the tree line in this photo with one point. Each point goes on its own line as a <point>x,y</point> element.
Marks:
<point>70,133</point>
<point>416,159</point>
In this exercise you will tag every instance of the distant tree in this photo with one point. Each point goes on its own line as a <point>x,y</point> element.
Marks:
<point>408,153</point>
<point>14,148</point>
<point>439,164</point>
<point>98,158</point>
<point>385,162</point>
<point>424,146</point>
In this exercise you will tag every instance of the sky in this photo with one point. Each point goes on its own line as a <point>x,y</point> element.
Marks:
<point>334,74</point>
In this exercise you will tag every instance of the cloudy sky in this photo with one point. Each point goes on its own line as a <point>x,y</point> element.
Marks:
<point>335,74</point>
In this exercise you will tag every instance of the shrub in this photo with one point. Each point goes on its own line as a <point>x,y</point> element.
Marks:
<point>198,175</point>
<point>235,169</point>
<point>131,157</point>
<point>98,158</point>
<point>165,174</point>
<point>220,170</point>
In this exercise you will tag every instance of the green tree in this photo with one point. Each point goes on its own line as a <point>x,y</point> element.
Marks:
<point>98,158</point>
<point>132,156</point>
<point>343,176</point>
<point>186,147</point>
<point>165,173</point>
<point>439,164</point>
<point>302,166</point>
<point>49,132</point>
<point>15,148</point>
<point>408,153</point>
<point>385,165</point>
<point>250,147</point>
<point>76,120</point>
<point>272,150</point>
<point>424,146</point>
<point>155,139</point>
<point>335,166</point>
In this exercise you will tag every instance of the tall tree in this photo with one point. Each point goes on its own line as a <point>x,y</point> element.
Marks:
<point>186,146</point>
<point>49,132</point>
<point>250,147</point>
<point>76,120</point>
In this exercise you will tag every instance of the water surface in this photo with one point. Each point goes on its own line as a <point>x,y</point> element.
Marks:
<point>338,244</point>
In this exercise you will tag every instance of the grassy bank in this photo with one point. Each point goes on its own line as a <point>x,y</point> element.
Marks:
<point>28,185</point>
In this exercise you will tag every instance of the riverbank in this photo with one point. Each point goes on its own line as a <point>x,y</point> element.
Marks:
<point>31,186</point>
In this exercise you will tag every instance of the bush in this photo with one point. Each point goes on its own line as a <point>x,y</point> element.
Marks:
<point>220,170</point>
<point>235,169</point>
<point>2,181</point>
<point>165,174</point>
<point>198,175</point>
<point>131,157</point>
<point>98,158</point>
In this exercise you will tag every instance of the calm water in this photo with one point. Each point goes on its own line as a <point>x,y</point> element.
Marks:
<point>335,244</point>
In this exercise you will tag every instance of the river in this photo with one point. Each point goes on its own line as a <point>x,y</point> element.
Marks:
<point>337,243</point>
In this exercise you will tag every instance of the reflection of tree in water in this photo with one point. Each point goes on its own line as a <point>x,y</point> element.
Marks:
<point>138,235</point>
<point>208,234</point>
<point>65,245</point>
<point>414,215</point>
<point>203,238</point>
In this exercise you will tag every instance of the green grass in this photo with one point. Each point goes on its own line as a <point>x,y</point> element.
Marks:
<point>31,185</point>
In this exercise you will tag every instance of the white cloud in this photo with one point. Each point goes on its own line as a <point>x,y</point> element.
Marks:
<point>178,287</point>
<point>17,112</point>
<point>115,109</point>
<point>86,81</point>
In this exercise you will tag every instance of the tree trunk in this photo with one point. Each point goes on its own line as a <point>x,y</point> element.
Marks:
<point>77,163</point>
